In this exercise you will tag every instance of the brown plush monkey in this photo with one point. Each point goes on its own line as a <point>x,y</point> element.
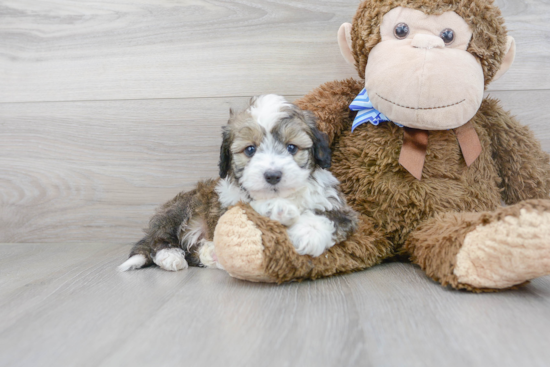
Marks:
<point>429,171</point>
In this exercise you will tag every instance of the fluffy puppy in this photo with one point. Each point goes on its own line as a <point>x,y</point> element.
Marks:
<point>273,157</point>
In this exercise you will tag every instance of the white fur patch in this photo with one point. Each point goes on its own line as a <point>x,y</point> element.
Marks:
<point>230,194</point>
<point>171,259</point>
<point>207,255</point>
<point>282,210</point>
<point>197,230</point>
<point>135,262</point>
<point>311,234</point>
<point>321,192</point>
<point>507,252</point>
<point>266,110</point>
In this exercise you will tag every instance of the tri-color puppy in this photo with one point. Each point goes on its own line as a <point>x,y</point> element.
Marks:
<point>273,157</point>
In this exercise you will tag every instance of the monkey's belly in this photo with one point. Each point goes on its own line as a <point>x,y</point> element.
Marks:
<point>376,185</point>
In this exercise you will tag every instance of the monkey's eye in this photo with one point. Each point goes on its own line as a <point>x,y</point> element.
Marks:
<point>292,149</point>
<point>249,151</point>
<point>401,31</point>
<point>447,35</point>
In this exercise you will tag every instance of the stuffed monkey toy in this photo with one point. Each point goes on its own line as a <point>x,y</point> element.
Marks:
<point>420,154</point>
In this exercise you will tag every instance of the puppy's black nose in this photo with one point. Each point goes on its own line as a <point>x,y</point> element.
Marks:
<point>273,177</point>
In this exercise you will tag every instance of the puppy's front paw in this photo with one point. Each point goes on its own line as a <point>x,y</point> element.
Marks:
<point>285,213</point>
<point>280,210</point>
<point>171,259</point>
<point>311,235</point>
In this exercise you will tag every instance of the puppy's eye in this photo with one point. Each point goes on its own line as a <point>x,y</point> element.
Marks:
<point>249,151</point>
<point>401,31</point>
<point>292,149</point>
<point>447,35</point>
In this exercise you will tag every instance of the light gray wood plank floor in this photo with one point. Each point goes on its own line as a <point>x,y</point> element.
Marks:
<point>65,305</point>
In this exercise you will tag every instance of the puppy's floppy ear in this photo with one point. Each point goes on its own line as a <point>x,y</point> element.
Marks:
<point>225,152</point>
<point>321,149</point>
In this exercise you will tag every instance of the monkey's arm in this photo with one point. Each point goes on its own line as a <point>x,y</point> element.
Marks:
<point>522,164</point>
<point>330,104</point>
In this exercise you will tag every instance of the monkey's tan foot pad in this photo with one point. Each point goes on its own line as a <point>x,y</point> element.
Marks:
<point>508,251</point>
<point>239,248</point>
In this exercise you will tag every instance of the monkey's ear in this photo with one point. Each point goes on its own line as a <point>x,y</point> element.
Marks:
<point>344,41</point>
<point>225,153</point>
<point>508,58</point>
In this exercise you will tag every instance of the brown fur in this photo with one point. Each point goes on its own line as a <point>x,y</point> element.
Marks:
<point>512,167</point>
<point>434,245</point>
<point>365,248</point>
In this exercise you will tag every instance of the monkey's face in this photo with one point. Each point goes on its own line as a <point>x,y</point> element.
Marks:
<point>420,74</point>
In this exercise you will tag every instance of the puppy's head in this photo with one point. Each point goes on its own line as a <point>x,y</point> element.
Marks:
<point>272,148</point>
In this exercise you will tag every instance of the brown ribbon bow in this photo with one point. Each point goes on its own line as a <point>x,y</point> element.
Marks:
<point>415,142</point>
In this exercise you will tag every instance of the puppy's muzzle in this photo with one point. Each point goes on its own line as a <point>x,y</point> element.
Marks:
<point>273,177</point>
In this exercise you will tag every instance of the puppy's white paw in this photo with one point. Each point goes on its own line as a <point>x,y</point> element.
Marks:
<point>171,259</point>
<point>281,210</point>
<point>207,255</point>
<point>285,213</point>
<point>135,262</point>
<point>312,234</point>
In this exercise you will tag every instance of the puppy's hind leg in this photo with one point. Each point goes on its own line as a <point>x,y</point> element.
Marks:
<point>171,259</point>
<point>163,254</point>
<point>161,244</point>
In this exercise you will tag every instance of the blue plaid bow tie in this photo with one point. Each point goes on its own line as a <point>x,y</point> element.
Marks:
<point>367,113</point>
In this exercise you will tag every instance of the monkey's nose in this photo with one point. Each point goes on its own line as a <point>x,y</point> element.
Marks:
<point>427,41</point>
<point>273,177</point>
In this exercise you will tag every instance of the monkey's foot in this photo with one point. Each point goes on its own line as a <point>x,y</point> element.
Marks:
<point>239,248</point>
<point>508,251</point>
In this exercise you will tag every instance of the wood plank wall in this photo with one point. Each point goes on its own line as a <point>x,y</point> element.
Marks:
<point>110,107</point>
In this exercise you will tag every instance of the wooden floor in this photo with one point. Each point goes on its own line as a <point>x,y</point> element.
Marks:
<point>65,305</point>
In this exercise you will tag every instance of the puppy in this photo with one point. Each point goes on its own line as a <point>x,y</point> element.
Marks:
<point>272,157</point>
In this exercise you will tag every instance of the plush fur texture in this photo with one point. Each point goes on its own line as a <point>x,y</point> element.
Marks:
<point>512,167</point>
<point>427,220</point>
<point>399,212</point>
<point>237,248</point>
<point>507,251</point>
<point>441,238</point>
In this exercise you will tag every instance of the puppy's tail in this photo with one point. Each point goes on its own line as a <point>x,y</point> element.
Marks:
<point>139,257</point>
<point>134,262</point>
